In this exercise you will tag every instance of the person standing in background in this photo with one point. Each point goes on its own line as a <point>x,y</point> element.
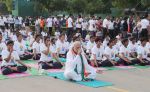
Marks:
<point>70,27</point>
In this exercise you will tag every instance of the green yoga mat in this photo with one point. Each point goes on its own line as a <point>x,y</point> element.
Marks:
<point>29,61</point>
<point>33,71</point>
<point>94,84</point>
<point>112,68</point>
<point>61,59</point>
<point>2,77</point>
<point>142,67</point>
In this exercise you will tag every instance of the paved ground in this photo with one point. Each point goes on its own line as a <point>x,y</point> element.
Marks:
<point>137,80</point>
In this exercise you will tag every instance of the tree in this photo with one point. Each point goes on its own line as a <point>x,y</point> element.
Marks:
<point>3,8</point>
<point>138,4</point>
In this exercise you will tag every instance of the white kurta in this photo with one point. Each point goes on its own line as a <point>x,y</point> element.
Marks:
<point>72,62</point>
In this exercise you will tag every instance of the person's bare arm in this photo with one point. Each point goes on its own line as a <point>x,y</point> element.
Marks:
<point>9,56</point>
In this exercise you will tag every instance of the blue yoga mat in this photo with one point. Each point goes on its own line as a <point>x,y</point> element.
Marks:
<point>61,59</point>
<point>94,84</point>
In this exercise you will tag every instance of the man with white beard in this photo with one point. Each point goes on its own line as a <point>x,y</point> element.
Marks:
<point>77,67</point>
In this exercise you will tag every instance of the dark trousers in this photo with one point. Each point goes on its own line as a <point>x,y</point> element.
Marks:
<point>146,62</point>
<point>79,30</point>
<point>84,32</point>
<point>6,25</point>
<point>104,32</point>
<point>25,57</point>
<point>6,70</point>
<point>70,34</point>
<point>37,57</point>
<point>62,55</point>
<point>111,34</point>
<point>50,31</point>
<point>144,33</point>
<point>2,28</point>
<point>106,63</point>
<point>123,62</point>
<point>55,65</point>
<point>41,29</point>
<point>12,28</point>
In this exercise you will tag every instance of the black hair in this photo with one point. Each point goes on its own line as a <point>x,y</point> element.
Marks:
<point>53,40</point>
<point>111,40</point>
<point>61,35</point>
<point>45,38</point>
<point>143,39</point>
<point>38,35</point>
<point>124,40</point>
<point>18,34</point>
<point>91,37</point>
<point>98,39</point>
<point>132,38</point>
<point>10,42</point>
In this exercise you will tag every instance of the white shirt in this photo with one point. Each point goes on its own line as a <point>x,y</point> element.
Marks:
<point>92,25</point>
<point>125,51</point>
<point>110,52</point>
<point>37,23</point>
<point>45,58</point>
<point>36,46</point>
<point>148,46</point>
<point>14,37</point>
<point>1,22</point>
<point>2,47</point>
<point>20,47</point>
<point>5,19</point>
<point>143,51</point>
<point>144,23</point>
<point>98,52</point>
<point>70,22</point>
<point>111,25</point>
<point>62,46</point>
<point>132,47</point>
<point>84,25</point>
<point>105,23</point>
<point>118,45</point>
<point>20,20</point>
<point>17,21</point>
<point>11,20</point>
<point>14,57</point>
<point>49,22</point>
<point>79,22</point>
<point>90,45</point>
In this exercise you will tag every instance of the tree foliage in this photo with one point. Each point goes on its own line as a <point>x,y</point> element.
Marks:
<point>83,6</point>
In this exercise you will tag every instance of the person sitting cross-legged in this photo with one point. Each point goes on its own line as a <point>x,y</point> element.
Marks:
<point>11,60</point>
<point>77,67</point>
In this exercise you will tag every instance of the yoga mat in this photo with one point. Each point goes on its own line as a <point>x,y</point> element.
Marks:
<point>94,84</point>
<point>102,69</point>
<point>16,75</point>
<point>2,77</point>
<point>29,61</point>
<point>125,67</point>
<point>142,67</point>
<point>33,65</point>
<point>33,71</point>
<point>55,70</point>
<point>63,60</point>
<point>111,68</point>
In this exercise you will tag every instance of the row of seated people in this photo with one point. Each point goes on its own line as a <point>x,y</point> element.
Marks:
<point>46,51</point>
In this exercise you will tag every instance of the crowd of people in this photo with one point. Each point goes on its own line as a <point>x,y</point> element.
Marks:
<point>78,43</point>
